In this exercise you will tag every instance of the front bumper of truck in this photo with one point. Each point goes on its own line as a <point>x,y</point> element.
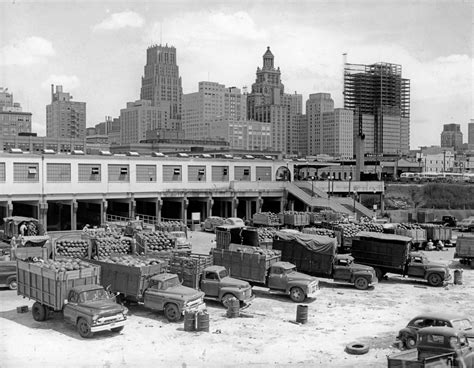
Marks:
<point>194,307</point>
<point>313,289</point>
<point>107,323</point>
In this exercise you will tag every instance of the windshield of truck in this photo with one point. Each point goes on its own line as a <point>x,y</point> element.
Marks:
<point>170,283</point>
<point>223,273</point>
<point>462,324</point>
<point>289,270</point>
<point>91,295</point>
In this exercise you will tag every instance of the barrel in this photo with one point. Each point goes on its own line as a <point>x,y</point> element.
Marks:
<point>189,321</point>
<point>302,314</point>
<point>233,308</point>
<point>202,321</point>
<point>457,277</point>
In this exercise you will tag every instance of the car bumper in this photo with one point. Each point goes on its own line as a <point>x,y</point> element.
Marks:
<point>108,326</point>
<point>248,301</point>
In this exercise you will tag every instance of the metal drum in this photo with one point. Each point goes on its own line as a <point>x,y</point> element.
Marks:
<point>233,309</point>
<point>457,277</point>
<point>202,321</point>
<point>302,314</point>
<point>189,321</point>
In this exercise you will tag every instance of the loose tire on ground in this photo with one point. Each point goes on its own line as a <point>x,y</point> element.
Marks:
<point>357,348</point>
<point>172,313</point>
<point>361,283</point>
<point>83,328</point>
<point>297,294</point>
<point>39,312</point>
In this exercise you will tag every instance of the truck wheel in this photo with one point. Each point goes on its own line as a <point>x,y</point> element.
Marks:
<point>361,283</point>
<point>435,280</point>
<point>117,329</point>
<point>172,313</point>
<point>357,348</point>
<point>297,294</point>
<point>13,285</point>
<point>83,328</point>
<point>226,299</point>
<point>39,312</point>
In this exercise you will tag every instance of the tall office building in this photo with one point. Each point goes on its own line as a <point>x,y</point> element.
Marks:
<point>65,118</point>
<point>380,99</point>
<point>329,130</point>
<point>470,134</point>
<point>12,118</point>
<point>295,110</point>
<point>161,81</point>
<point>451,136</point>
<point>139,117</point>
<point>212,102</point>
<point>268,103</point>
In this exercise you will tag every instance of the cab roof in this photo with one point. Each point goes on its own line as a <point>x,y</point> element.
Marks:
<point>285,265</point>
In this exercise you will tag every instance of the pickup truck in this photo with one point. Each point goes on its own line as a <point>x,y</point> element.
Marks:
<point>316,255</point>
<point>389,253</point>
<point>72,291</point>
<point>264,267</point>
<point>465,250</point>
<point>149,285</point>
<point>197,271</point>
<point>436,347</point>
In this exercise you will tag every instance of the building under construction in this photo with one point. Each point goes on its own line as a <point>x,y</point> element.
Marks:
<point>380,99</point>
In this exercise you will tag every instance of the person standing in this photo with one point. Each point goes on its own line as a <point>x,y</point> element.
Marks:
<point>23,229</point>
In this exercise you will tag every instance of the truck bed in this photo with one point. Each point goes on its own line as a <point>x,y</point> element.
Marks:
<point>464,247</point>
<point>50,288</point>
<point>245,266</point>
<point>189,268</point>
<point>312,254</point>
<point>130,281</point>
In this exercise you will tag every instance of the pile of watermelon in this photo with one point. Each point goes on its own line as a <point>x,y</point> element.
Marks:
<point>78,248</point>
<point>112,245</point>
<point>64,264</point>
<point>156,241</point>
<point>133,261</point>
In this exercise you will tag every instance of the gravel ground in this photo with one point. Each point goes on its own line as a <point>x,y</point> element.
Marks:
<point>339,315</point>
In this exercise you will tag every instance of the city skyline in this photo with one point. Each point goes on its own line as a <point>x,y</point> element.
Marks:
<point>99,54</point>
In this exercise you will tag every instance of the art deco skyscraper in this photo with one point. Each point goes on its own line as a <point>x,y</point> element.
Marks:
<point>161,83</point>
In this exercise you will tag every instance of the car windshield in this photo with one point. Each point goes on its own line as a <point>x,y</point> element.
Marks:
<point>223,273</point>
<point>178,234</point>
<point>289,270</point>
<point>462,324</point>
<point>91,295</point>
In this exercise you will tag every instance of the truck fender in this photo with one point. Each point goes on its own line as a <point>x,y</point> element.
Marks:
<point>291,285</point>
<point>364,274</point>
<point>226,291</point>
<point>438,271</point>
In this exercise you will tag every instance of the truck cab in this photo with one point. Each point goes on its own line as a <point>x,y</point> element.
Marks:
<point>91,309</point>
<point>181,239</point>
<point>419,266</point>
<point>283,276</point>
<point>165,293</point>
<point>218,285</point>
<point>344,269</point>
<point>436,347</point>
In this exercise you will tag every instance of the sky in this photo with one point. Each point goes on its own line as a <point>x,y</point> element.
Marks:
<point>97,50</point>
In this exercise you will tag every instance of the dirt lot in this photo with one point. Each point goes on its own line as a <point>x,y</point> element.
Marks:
<point>339,315</point>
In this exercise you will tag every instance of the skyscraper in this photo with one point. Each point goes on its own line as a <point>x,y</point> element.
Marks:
<point>380,98</point>
<point>12,118</point>
<point>451,136</point>
<point>161,81</point>
<point>470,133</point>
<point>268,103</point>
<point>65,118</point>
<point>316,106</point>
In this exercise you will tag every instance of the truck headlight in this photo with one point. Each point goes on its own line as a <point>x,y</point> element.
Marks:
<point>95,317</point>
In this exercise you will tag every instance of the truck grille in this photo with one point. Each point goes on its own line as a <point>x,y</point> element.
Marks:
<point>115,318</point>
<point>194,303</point>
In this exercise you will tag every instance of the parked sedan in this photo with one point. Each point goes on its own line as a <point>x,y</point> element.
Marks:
<point>467,224</point>
<point>235,221</point>
<point>408,335</point>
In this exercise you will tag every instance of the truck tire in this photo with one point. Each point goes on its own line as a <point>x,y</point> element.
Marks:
<point>117,329</point>
<point>172,313</point>
<point>297,294</point>
<point>83,328</point>
<point>226,300</point>
<point>361,283</point>
<point>357,348</point>
<point>435,279</point>
<point>39,312</point>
